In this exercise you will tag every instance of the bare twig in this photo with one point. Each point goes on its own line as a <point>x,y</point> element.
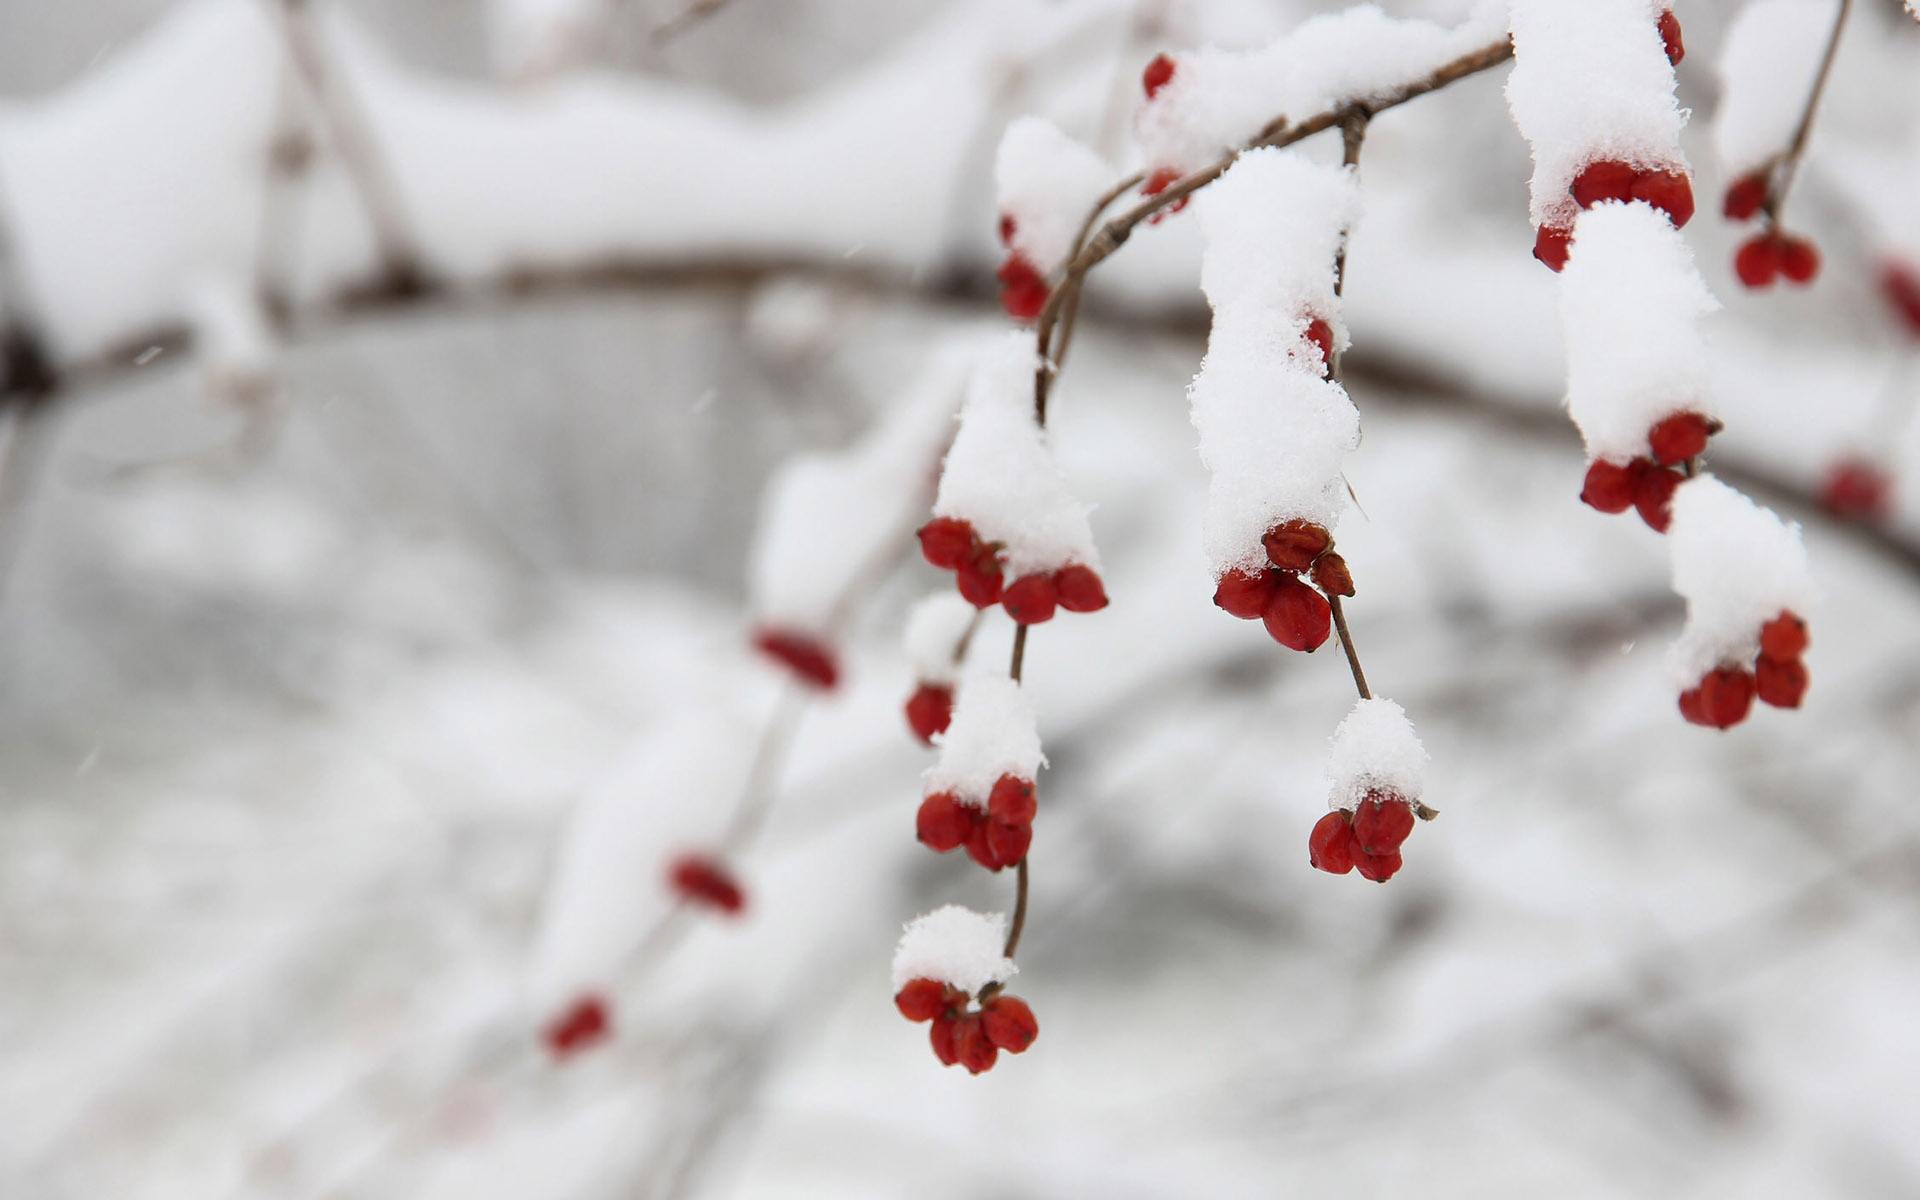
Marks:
<point>688,17</point>
<point>1789,162</point>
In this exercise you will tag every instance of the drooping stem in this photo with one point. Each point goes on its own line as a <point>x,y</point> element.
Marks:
<point>1346,644</point>
<point>1789,163</point>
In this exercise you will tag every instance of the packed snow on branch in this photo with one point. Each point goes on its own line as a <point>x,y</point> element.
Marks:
<point>1001,476</point>
<point>935,627</point>
<point>1216,99</point>
<point>1631,301</point>
<point>1591,83</point>
<point>825,518</point>
<point>1374,749</point>
<point>992,734</point>
<point>668,792</point>
<point>232,336</point>
<point>1738,566</point>
<point>1046,183</point>
<point>956,946</point>
<point>1274,433</point>
<point>1767,67</point>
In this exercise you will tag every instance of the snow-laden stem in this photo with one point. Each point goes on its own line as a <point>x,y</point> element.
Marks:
<point>1790,158</point>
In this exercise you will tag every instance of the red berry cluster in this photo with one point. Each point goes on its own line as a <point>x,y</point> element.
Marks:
<point>1296,616</point>
<point>1647,483</point>
<point>952,545</point>
<point>1023,289</point>
<point>1858,488</point>
<point>996,837</point>
<point>929,710</point>
<point>1725,695</point>
<point>1669,191</point>
<point>1769,254</point>
<point>1366,839</point>
<point>697,879</point>
<point>1900,284</point>
<point>811,660</point>
<point>584,1024</point>
<point>972,1039</point>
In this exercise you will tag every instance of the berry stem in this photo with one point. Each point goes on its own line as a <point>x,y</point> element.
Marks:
<point>1790,159</point>
<point>1346,644</point>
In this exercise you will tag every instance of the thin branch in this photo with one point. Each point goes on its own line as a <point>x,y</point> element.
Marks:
<point>1346,643</point>
<point>401,272</point>
<point>1789,163</point>
<point>693,14</point>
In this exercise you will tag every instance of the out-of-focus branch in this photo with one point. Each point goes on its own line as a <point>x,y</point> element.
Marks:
<point>1789,161</point>
<point>351,135</point>
<point>688,17</point>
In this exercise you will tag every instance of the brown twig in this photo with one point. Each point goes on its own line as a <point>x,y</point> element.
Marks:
<point>1788,164</point>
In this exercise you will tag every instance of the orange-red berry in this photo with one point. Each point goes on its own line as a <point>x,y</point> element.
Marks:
<point>1297,616</point>
<point>1079,588</point>
<point>1008,1023</point>
<point>929,710</point>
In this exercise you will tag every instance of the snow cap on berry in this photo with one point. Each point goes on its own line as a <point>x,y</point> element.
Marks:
<point>823,516</point>
<point>992,734</point>
<point>956,946</point>
<point>1274,434</point>
<point>1737,565</point>
<point>1047,183</point>
<point>1001,475</point>
<point>1631,300</point>
<point>1772,52</point>
<point>1374,749</point>
<point>1590,83</point>
<point>934,628</point>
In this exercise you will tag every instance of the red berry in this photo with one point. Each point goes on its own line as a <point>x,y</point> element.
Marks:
<point>1858,488</point>
<point>1747,196</point>
<point>976,1053</point>
<point>947,542</point>
<point>929,710</point>
<point>1008,1023</point>
<point>1653,496</point>
<point>1377,867</point>
<point>1757,262</point>
<point>1783,639</point>
<point>1669,191</point>
<point>1297,616</point>
<point>1611,487</point>
<point>1726,696</point>
<point>808,658</point>
<point>1330,574</point>
<point>1243,595</point>
<point>1382,822</point>
<point>1007,843</point>
<point>1030,599</point>
<point>701,880</point>
<point>1008,226</point>
<point>1023,290</point>
<point>583,1024</point>
<point>1900,284</point>
<point>1158,73</point>
<point>1079,588</point>
<point>980,846</point>
<point>923,999</point>
<point>1780,684</point>
<point>1551,246</point>
<point>1680,437</point>
<point>943,823</point>
<point>979,579</point>
<point>944,1034</point>
<point>1321,335</point>
<point>1293,545</point>
<point>1693,706</point>
<point>1670,37</point>
<point>1158,182</point>
<point>1799,260</point>
<point>1012,800</point>
<point>1604,180</point>
<point>1330,847</point>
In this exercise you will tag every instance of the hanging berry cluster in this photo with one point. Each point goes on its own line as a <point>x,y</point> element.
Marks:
<point>1375,766</point>
<point>950,972</point>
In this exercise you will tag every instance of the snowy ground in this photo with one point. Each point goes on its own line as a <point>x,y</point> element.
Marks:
<point>289,737</point>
